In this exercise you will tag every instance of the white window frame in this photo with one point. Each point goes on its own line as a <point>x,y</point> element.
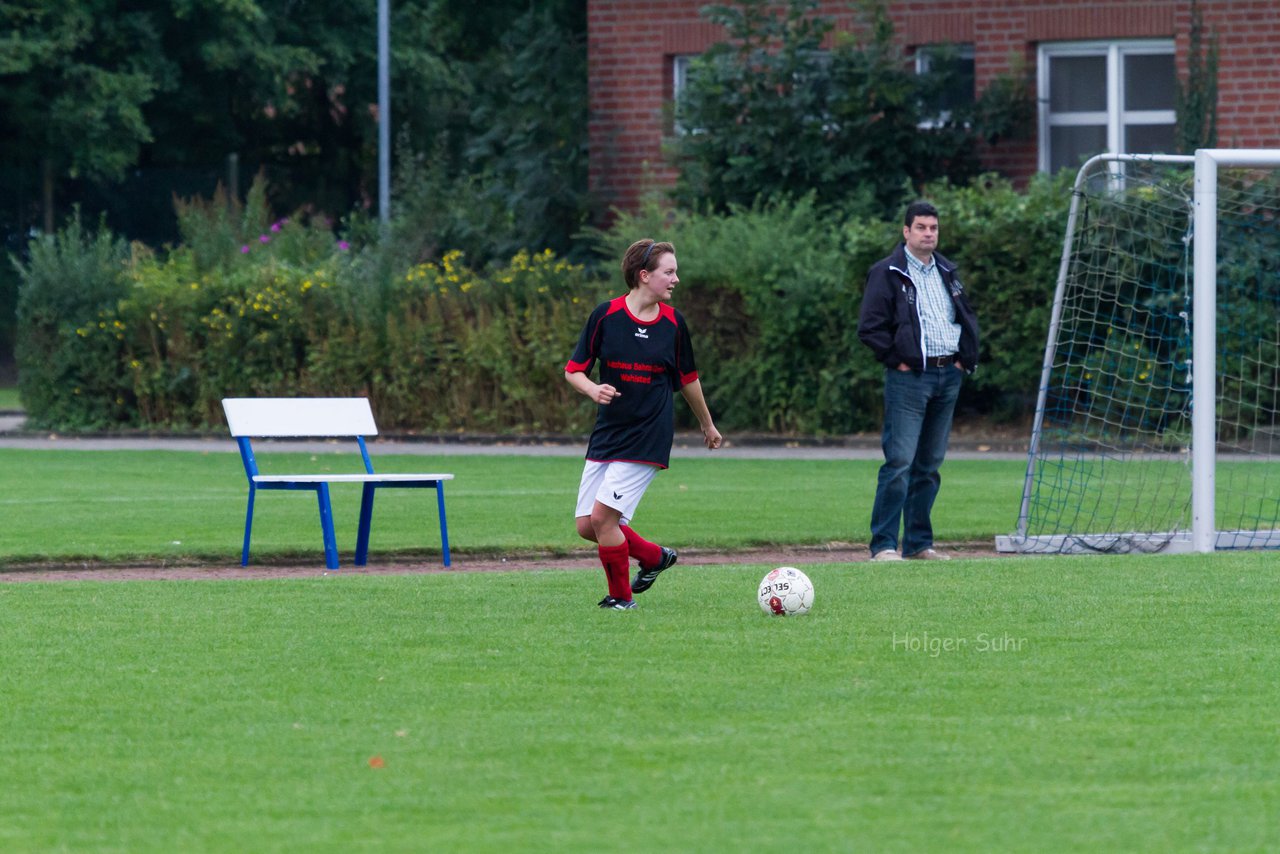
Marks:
<point>1115,117</point>
<point>679,79</point>
<point>680,73</point>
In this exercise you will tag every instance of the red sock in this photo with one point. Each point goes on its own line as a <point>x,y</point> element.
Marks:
<point>617,566</point>
<point>649,554</point>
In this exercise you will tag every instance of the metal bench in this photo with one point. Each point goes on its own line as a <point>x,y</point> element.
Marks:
<point>321,417</point>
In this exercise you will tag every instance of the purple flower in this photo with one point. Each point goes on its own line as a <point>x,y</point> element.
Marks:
<point>262,238</point>
<point>343,246</point>
<point>244,250</point>
<point>275,228</point>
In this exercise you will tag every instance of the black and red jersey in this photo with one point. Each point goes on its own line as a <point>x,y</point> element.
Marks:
<point>646,362</point>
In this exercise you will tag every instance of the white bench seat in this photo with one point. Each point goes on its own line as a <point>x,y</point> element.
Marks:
<point>349,478</point>
<point>321,417</point>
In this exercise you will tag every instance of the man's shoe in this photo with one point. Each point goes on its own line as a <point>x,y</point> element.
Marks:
<point>646,576</point>
<point>886,554</point>
<point>928,554</point>
<point>611,604</point>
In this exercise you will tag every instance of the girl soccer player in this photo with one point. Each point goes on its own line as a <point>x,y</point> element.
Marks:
<point>645,354</point>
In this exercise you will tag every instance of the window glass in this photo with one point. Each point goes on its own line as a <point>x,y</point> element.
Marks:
<point>1149,139</point>
<point>957,61</point>
<point>1149,81</point>
<point>1077,84</point>
<point>1071,145</point>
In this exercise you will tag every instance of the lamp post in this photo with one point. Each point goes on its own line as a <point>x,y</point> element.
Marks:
<point>384,112</point>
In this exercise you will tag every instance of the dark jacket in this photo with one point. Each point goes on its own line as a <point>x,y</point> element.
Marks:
<point>889,322</point>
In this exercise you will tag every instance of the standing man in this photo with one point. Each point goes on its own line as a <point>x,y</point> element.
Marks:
<point>917,320</point>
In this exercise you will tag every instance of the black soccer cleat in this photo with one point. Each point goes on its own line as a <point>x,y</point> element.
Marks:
<point>611,604</point>
<point>646,576</point>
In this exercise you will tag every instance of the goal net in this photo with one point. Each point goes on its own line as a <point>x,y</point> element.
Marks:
<point>1157,425</point>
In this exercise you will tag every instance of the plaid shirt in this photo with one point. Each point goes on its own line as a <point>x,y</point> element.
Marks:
<point>937,311</point>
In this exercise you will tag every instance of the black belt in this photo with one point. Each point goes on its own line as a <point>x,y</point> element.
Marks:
<point>941,361</point>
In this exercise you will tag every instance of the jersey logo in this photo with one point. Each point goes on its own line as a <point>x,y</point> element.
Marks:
<point>617,497</point>
<point>641,333</point>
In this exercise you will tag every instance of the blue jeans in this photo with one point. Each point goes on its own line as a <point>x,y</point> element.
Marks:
<point>917,424</point>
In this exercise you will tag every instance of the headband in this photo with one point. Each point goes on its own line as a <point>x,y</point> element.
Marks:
<point>644,259</point>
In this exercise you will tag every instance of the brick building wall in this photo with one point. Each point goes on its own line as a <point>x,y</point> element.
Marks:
<point>631,45</point>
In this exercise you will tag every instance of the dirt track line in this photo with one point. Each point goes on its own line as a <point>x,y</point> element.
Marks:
<point>776,556</point>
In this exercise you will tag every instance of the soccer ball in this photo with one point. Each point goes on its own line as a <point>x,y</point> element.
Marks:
<point>786,592</point>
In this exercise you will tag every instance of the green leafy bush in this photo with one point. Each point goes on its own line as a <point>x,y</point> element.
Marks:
<point>771,299</point>
<point>440,348</point>
<point>471,351</point>
<point>771,291</point>
<point>69,342</point>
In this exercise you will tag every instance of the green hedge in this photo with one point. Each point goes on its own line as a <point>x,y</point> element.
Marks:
<point>773,294</point>
<point>160,341</point>
<point>117,336</point>
<point>68,380</point>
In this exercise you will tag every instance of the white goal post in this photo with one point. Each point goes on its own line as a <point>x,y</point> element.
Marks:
<point>1163,346</point>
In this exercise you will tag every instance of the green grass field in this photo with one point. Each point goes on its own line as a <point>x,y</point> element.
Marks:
<point>1088,703</point>
<point>9,398</point>
<point>1028,704</point>
<point>69,506</point>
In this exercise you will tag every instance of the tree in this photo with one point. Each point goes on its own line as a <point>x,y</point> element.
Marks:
<point>770,112</point>
<point>527,147</point>
<point>90,88</point>
<point>510,170</point>
<point>1197,98</point>
<point>74,81</point>
<point>291,87</point>
<point>110,92</point>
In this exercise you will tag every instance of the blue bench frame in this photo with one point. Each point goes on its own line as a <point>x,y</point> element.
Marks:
<point>350,418</point>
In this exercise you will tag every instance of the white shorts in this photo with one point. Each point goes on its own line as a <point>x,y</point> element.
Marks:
<point>617,485</point>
